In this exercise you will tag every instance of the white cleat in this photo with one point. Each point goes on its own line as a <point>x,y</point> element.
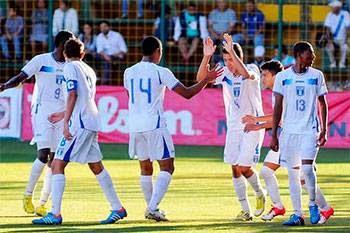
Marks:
<point>157,215</point>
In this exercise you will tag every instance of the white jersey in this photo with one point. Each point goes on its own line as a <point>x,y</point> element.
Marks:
<point>241,96</point>
<point>49,88</point>
<point>146,83</point>
<point>82,79</point>
<point>300,93</point>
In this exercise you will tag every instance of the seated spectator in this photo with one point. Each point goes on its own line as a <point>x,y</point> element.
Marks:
<point>65,18</point>
<point>39,26</point>
<point>259,55</point>
<point>337,24</point>
<point>89,40</point>
<point>190,26</point>
<point>125,9</point>
<point>110,47</point>
<point>13,32</point>
<point>169,24</point>
<point>286,59</point>
<point>253,24</point>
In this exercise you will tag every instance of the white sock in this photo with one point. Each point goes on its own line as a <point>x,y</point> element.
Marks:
<point>271,183</point>
<point>241,192</point>
<point>46,190</point>
<point>320,199</point>
<point>160,188</point>
<point>310,181</point>
<point>147,187</point>
<point>254,181</point>
<point>295,190</point>
<point>57,187</point>
<point>35,173</point>
<point>105,181</point>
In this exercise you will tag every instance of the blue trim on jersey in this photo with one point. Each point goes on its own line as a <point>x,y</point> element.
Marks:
<point>166,153</point>
<point>160,81</point>
<point>72,85</point>
<point>177,84</point>
<point>158,122</point>
<point>228,81</point>
<point>287,82</point>
<point>81,122</point>
<point>47,69</point>
<point>25,74</point>
<point>36,108</point>
<point>299,81</point>
<point>68,153</point>
<point>313,81</point>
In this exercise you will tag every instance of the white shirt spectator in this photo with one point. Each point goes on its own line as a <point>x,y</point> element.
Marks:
<point>111,44</point>
<point>65,20</point>
<point>341,21</point>
<point>203,28</point>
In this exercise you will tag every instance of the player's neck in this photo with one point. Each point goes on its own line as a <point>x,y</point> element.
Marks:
<point>58,56</point>
<point>147,59</point>
<point>299,68</point>
<point>73,59</point>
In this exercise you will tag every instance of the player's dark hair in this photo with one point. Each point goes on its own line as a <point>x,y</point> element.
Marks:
<point>149,45</point>
<point>237,48</point>
<point>14,7</point>
<point>73,48</point>
<point>301,47</point>
<point>67,2</point>
<point>105,22</point>
<point>273,66</point>
<point>62,37</point>
<point>192,4</point>
<point>251,1</point>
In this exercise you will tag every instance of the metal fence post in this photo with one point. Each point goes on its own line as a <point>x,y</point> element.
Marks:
<point>280,28</point>
<point>50,35</point>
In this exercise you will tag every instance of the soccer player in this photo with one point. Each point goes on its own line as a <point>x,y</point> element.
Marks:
<point>269,71</point>
<point>150,140</point>
<point>242,96</point>
<point>79,141</point>
<point>299,90</point>
<point>47,99</point>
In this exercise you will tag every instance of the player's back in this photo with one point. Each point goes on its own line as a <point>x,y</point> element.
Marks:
<point>82,79</point>
<point>146,83</point>
<point>49,82</point>
<point>300,93</point>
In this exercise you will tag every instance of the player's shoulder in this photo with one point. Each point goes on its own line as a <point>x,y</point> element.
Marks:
<point>284,73</point>
<point>42,57</point>
<point>316,72</point>
<point>344,12</point>
<point>253,67</point>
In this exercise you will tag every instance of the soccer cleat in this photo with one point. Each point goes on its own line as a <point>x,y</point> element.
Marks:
<point>28,204</point>
<point>41,210</point>
<point>49,219</point>
<point>114,216</point>
<point>314,214</point>
<point>244,216</point>
<point>325,215</point>
<point>294,220</point>
<point>157,215</point>
<point>260,205</point>
<point>273,213</point>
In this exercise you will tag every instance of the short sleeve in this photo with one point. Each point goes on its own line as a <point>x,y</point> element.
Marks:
<point>347,19</point>
<point>125,79</point>
<point>278,87</point>
<point>220,79</point>
<point>167,78</point>
<point>99,44</point>
<point>254,71</point>
<point>71,77</point>
<point>321,85</point>
<point>32,67</point>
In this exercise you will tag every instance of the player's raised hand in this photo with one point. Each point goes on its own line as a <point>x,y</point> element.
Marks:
<point>249,119</point>
<point>56,117</point>
<point>274,145</point>
<point>208,47</point>
<point>322,139</point>
<point>67,135</point>
<point>227,43</point>
<point>215,72</point>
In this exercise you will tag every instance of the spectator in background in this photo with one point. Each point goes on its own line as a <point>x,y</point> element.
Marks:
<point>13,32</point>
<point>65,18</point>
<point>125,9</point>
<point>89,39</point>
<point>337,25</point>
<point>169,24</point>
<point>110,47</point>
<point>259,55</point>
<point>190,26</point>
<point>286,59</point>
<point>253,24</point>
<point>39,26</point>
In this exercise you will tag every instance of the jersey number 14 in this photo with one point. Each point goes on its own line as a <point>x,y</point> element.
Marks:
<point>142,89</point>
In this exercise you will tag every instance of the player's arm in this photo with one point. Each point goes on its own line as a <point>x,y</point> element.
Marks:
<point>208,51</point>
<point>277,114</point>
<point>324,120</point>
<point>237,62</point>
<point>189,92</point>
<point>71,100</point>
<point>253,123</point>
<point>14,81</point>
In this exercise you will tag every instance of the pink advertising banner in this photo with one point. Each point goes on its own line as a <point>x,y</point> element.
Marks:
<point>199,121</point>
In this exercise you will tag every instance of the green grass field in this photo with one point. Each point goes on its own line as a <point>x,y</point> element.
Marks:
<point>200,199</point>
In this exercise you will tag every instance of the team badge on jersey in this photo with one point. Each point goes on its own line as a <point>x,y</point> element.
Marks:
<point>236,91</point>
<point>300,90</point>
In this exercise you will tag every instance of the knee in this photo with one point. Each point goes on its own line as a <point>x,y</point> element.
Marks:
<point>147,170</point>
<point>244,170</point>
<point>236,171</point>
<point>266,172</point>
<point>43,155</point>
<point>170,169</point>
<point>96,168</point>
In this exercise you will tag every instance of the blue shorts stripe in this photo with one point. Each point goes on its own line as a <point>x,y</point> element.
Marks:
<point>69,152</point>
<point>166,153</point>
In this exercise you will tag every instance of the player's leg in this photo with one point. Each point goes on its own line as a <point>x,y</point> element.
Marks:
<point>330,52</point>
<point>37,169</point>
<point>146,181</point>
<point>343,51</point>
<point>240,186</point>
<point>193,47</point>
<point>183,47</point>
